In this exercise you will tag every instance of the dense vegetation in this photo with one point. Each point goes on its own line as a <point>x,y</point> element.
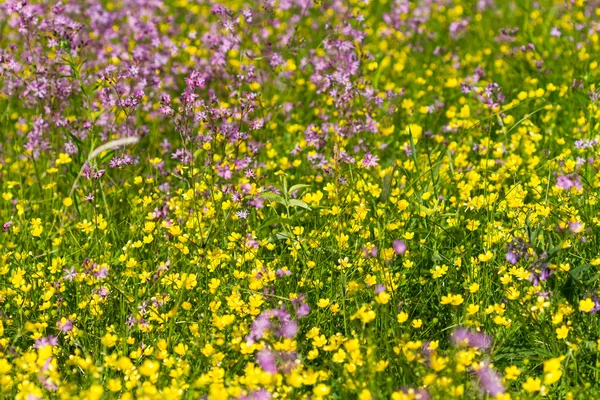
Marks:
<point>288,199</point>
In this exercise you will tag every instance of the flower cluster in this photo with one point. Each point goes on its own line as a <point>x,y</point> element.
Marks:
<point>383,199</point>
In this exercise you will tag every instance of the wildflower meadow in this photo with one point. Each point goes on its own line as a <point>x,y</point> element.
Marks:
<point>299,199</point>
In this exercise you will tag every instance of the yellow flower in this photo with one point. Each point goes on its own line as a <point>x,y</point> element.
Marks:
<point>417,323</point>
<point>472,309</point>
<point>124,363</point>
<point>553,364</point>
<point>474,288</point>
<point>37,231</point>
<point>439,271</point>
<point>512,372</point>
<point>175,230</point>
<point>382,298</point>
<point>472,224</point>
<point>364,314</point>
<point>552,377</point>
<point>403,316</point>
<point>453,299</point>
<point>532,385</point>
<point>552,370</point>
<point>485,257</point>
<point>323,303</point>
<point>586,305</point>
<point>365,395</point>
<point>109,340</point>
<point>36,227</point>
<point>339,357</point>
<point>321,390</point>
<point>562,332</point>
<point>181,349</point>
<point>438,363</point>
<point>408,235</point>
<point>415,130</point>
<point>114,385</point>
<point>451,83</point>
<point>149,367</point>
<point>63,159</point>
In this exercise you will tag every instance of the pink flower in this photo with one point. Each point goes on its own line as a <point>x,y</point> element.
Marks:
<point>66,326</point>
<point>266,360</point>
<point>399,246</point>
<point>490,381</point>
<point>370,160</point>
<point>470,338</point>
<point>567,182</point>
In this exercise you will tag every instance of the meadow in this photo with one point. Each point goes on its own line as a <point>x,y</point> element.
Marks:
<point>299,199</point>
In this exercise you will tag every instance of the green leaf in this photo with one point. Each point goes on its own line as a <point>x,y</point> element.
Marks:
<point>387,185</point>
<point>273,197</point>
<point>105,157</point>
<point>577,273</point>
<point>297,187</point>
<point>77,141</point>
<point>568,289</point>
<point>281,235</point>
<point>592,279</point>
<point>299,203</point>
<point>554,249</point>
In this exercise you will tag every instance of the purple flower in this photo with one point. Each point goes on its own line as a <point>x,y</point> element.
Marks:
<point>103,292</point>
<point>243,214</point>
<point>260,394</point>
<point>583,144</point>
<point>48,384</point>
<point>65,327</point>
<point>464,336</point>
<point>130,321</point>
<point>490,381</point>
<point>274,361</point>
<point>289,329</point>
<point>101,273</point>
<point>266,360</point>
<point>512,258</point>
<point>370,160</point>
<point>399,246</point>
<point>370,253</point>
<point>302,309</point>
<point>566,182</point>
<point>261,324</point>
<point>540,272</point>
<point>280,273</point>
<point>417,394</point>
<point>516,249</point>
<point>70,274</point>
<point>458,27</point>
<point>596,307</point>
<point>379,288</point>
<point>575,226</point>
<point>45,341</point>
